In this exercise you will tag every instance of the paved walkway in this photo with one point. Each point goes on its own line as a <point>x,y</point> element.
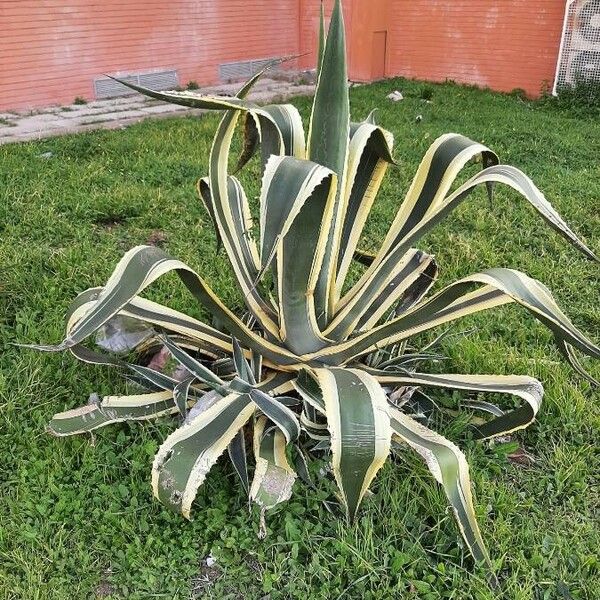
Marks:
<point>121,112</point>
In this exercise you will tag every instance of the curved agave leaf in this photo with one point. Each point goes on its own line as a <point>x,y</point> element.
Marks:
<point>369,154</point>
<point>498,286</point>
<point>280,131</point>
<point>313,423</point>
<point>277,128</point>
<point>300,258</point>
<point>78,308</point>
<point>140,267</point>
<point>239,459</point>
<point>359,424</point>
<point>527,388</point>
<point>449,467</point>
<point>251,143</point>
<point>185,457</point>
<point>204,337</point>
<point>241,220</point>
<point>176,322</point>
<point>328,141</point>
<point>287,184</point>
<point>567,351</point>
<point>281,415</point>
<point>219,193</point>
<point>375,299</point>
<point>112,409</point>
<point>395,244</point>
<point>193,99</point>
<point>273,477</point>
<point>148,378</point>
<point>440,167</point>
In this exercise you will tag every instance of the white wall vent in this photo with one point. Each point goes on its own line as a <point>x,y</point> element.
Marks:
<point>579,56</point>
<point>156,80</point>
<point>235,71</point>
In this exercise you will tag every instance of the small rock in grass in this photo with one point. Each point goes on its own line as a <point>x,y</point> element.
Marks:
<point>395,96</point>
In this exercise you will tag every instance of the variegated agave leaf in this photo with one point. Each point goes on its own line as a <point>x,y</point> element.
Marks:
<point>317,364</point>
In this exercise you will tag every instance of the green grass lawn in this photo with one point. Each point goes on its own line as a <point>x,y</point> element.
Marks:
<point>77,517</point>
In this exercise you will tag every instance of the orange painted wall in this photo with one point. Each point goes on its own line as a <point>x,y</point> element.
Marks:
<point>309,29</point>
<point>502,44</point>
<point>51,50</point>
<point>370,19</point>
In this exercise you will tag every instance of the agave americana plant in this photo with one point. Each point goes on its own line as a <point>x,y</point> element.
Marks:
<point>316,365</point>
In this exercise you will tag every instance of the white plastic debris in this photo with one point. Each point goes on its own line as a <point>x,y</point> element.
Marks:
<point>211,561</point>
<point>395,96</point>
<point>122,334</point>
<point>418,118</point>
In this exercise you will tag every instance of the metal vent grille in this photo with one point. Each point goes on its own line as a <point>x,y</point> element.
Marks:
<point>579,56</point>
<point>158,80</point>
<point>242,70</point>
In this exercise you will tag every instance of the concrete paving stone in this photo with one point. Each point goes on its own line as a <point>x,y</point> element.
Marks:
<point>302,90</point>
<point>115,110</point>
<point>43,118</point>
<point>164,108</point>
<point>121,101</point>
<point>34,128</point>
<point>262,97</point>
<point>112,116</point>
